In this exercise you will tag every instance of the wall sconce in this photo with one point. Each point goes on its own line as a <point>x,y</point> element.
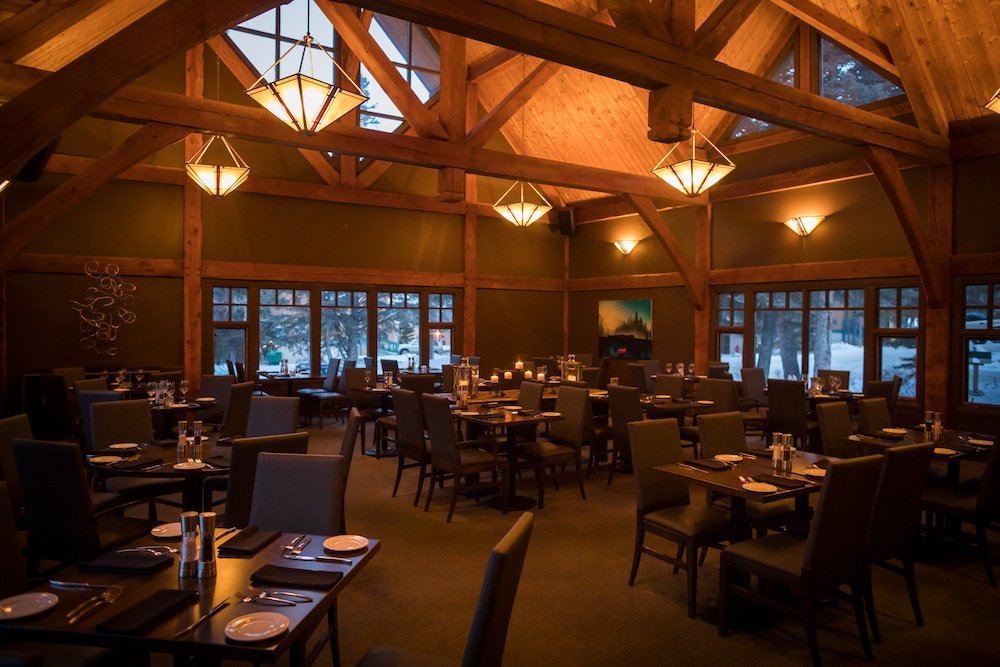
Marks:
<point>3,185</point>
<point>994,103</point>
<point>625,246</point>
<point>805,224</point>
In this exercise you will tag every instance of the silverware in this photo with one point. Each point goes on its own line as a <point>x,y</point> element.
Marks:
<point>201,619</point>
<point>283,594</point>
<point>300,546</point>
<point>227,531</point>
<point>260,598</point>
<point>320,559</point>
<point>687,467</point>
<point>155,549</point>
<point>105,598</point>
<point>78,584</point>
<point>291,545</point>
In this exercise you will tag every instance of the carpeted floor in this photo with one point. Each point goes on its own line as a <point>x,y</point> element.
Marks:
<point>574,606</point>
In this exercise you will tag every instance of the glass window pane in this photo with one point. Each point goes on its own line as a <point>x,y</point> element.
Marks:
<point>898,356</point>
<point>448,300</point>
<point>737,318</point>
<point>731,352</point>
<point>778,343</point>
<point>778,300</point>
<point>982,358</point>
<point>398,334</point>
<point>383,298</point>
<point>239,314</point>
<point>240,295</point>
<point>229,344</point>
<point>284,334</point>
<point>440,348</point>
<point>887,296</point>
<point>725,300</point>
<point>975,318</point>
<point>328,298</point>
<point>301,297</point>
<point>725,318</point>
<point>267,297</point>
<point>344,333</point>
<point>837,298</point>
<point>412,300</point>
<point>447,315</point>
<point>433,315</point>
<point>909,318</point>
<point>762,299</point>
<point>856,298</point>
<point>817,299</point>
<point>976,295</point>
<point>220,295</point>
<point>887,318</point>
<point>837,342</point>
<point>220,313</point>
<point>433,300</point>
<point>996,295</point>
<point>795,299</point>
<point>996,318</point>
<point>910,296</point>
<point>361,299</point>
<point>398,299</point>
<point>846,79</point>
<point>738,300</point>
<point>285,297</point>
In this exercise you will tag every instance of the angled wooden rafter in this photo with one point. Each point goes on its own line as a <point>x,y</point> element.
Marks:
<point>720,26</point>
<point>490,64</point>
<point>60,16</point>
<point>505,109</point>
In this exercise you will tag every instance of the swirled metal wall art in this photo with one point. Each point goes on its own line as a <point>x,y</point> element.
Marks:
<point>105,309</point>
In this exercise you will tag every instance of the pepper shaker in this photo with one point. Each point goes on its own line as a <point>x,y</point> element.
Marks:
<point>189,545</point>
<point>206,558</point>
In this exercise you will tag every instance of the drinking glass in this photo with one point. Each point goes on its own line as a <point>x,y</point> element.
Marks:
<point>170,393</point>
<point>139,374</point>
<point>613,381</point>
<point>680,368</point>
<point>151,391</point>
<point>119,376</point>
<point>185,385</point>
<point>669,367</point>
<point>691,368</point>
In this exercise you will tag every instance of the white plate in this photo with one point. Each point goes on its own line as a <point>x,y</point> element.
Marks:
<point>345,543</point>
<point>600,392</point>
<point>105,459</point>
<point>26,604</point>
<point>981,443</point>
<point>895,431</point>
<point>944,451</point>
<point>705,402</point>
<point>552,414</point>
<point>814,472</point>
<point>167,530</point>
<point>760,487</point>
<point>257,627</point>
<point>512,407</point>
<point>468,413</point>
<point>663,396</point>
<point>124,445</point>
<point>206,399</point>
<point>728,458</point>
<point>189,465</point>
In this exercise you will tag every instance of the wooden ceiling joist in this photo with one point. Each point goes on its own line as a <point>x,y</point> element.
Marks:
<point>64,15</point>
<point>490,63</point>
<point>720,26</point>
<point>554,34</point>
<point>505,109</point>
<point>30,121</point>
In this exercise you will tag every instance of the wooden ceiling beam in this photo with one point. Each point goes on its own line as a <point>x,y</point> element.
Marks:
<point>886,170</point>
<point>27,15</point>
<point>720,26</point>
<point>490,64</point>
<point>670,109</point>
<point>356,36</point>
<point>505,109</point>
<point>451,109</point>
<point>548,32</point>
<point>842,32</point>
<point>64,16</point>
<point>145,141</point>
<point>694,281</point>
<point>30,121</point>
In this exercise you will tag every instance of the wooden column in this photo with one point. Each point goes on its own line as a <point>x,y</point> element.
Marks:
<point>565,299</point>
<point>4,397</point>
<point>702,265</point>
<point>194,85</point>
<point>937,320</point>
<point>469,281</point>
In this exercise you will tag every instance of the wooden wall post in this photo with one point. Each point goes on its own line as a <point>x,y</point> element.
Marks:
<point>937,319</point>
<point>469,232</point>
<point>702,266</point>
<point>194,84</point>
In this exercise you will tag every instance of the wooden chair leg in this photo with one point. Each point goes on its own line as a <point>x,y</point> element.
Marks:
<point>456,486</point>
<point>579,477</point>
<point>692,582</point>
<point>540,477</point>
<point>859,618</point>
<point>333,629</point>
<point>430,489</point>
<point>677,559</point>
<point>911,588</point>
<point>640,536</point>
<point>399,474</point>
<point>420,483</point>
<point>869,598</point>
<point>809,619</point>
<point>723,597</point>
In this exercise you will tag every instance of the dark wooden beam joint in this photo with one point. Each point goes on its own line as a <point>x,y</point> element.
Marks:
<point>451,184</point>
<point>670,113</point>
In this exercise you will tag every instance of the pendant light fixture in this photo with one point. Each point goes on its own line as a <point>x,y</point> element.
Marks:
<point>804,225</point>
<point>303,102</point>
<point>994,103</point>
<point>222,171</point>
<point>690,173</point>
<point>519,204</point>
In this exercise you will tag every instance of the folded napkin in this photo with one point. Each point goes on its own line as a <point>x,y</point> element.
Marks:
<point>130,562</point>
<point>980,436</point>
<point>141,462</point>
<point>967,449</point>
<point>881,435</point>
<point>707,464</point>
<point>822,463</point>
<point>110,452</point>
<point>760,453</point>
<point>149,612</point>
<point>219,461</point>
<point>491,415</point>
<point>781,482</point>
<point>275,575</point>
<point>530,413</point>
<point>247,542</point>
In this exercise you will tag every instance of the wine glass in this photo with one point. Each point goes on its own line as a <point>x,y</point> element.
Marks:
<point>151,391</point>
<point>170,393</point>
<point>691,368</point>
<point>120,376</point>
<point>185,385</point>
<point>668,367</point>
<point>139,374</point>
<point>680,368</point>
<point>835,382</point>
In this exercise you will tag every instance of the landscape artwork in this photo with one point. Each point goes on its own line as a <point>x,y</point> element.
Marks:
<point>625,328</point>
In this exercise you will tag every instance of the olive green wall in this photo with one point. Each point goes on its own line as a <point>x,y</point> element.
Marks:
<point>516,323</point>
<point>592,253</point>
<point>977,225</point>
<point>505,250</point>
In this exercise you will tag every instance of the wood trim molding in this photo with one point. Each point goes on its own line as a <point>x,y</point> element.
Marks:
<point>637,281</point>
<point>883,267</point>
<point>30,262</point>
<point>227,270</point>
<point>526,283</point>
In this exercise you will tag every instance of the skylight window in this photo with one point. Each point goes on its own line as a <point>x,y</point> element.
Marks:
<point>782,72</point>
<point>844,78</point>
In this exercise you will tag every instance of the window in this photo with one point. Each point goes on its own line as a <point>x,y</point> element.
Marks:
<point>730,322</point>
<point>981,326</point>
<point>265,38</point>
<point>844,78</point>
<point>782,72</point>
<point>441,318</point>
<point>229,304</point>
<point>898,320</point>
<point>398,322</point>
<point>837,333</point>
<point>229,318</point>
<point>343,325</point>
<point>778,333</point>
<point>284,328</point>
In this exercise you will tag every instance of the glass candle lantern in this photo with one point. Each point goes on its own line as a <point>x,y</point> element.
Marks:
<point>462,382</point>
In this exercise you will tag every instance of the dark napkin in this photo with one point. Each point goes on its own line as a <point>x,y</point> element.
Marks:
<point>146,614</point>
<point>761,453</point>
<point>276,575</point>
<point>111,452</point>
<point>822,463</point>
<point>141,462</point>
<point>218,461</point>
<point>981,436</point>
<point>247,542</point>
<point>707,464</point>
<point>491,415</point>
<point>781,482</point>
<point>881,435</point>
<point>958,447</point>
<point>130,562</point>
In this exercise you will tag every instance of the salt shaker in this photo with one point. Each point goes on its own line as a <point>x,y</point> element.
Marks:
<point>198,440</point>
<point>777,440</point>
<point>189,545</point>
<point>786,454</point>
<point>182,441</point>
<point>206,558</point>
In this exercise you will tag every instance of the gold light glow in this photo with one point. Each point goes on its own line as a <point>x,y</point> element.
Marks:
<point>690,173</point>
<point>522,207</point>
<point>994,103</point>
<point>4,184</point>
<point>218,179</point>
<point>625,246</point>
<point>804,225</point>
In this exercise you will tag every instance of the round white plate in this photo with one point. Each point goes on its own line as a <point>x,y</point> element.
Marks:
<point>552,414</point>
<point>205,399</point>
<point>167,530</point>
<point>663,396</point>
<point>944,451</point>
<point>124,445</point>
<point>189,465</point>
<point>814,472</point>
<point>895,431</point>
<point>345,543</point>
<point>600,392</point>
<point>257,627</point>
<point>981,443</point>
<point>705,402</point>
<point>468,413</point>
<point>26,604</point>
<point>105,459</point>
<point>728,458</point>
<point>760,487</point>
<point>512,408</point>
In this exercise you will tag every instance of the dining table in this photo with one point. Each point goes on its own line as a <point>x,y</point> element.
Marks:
<point>226,635</point>
<point>952,446</point>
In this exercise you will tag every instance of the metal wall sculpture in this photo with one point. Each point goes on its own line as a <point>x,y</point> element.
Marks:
<point>105,309</point>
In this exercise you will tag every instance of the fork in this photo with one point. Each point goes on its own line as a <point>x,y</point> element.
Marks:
<point>300,546</point>
<point>263,598</point>
<point>294,543</point>
<point>105,598</point>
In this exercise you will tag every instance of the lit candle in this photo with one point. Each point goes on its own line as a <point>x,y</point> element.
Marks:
<point>518,365</point>
<point>541,377</point>
<point>494,379</point>
<point>507,375</point>
<point>527,375</point>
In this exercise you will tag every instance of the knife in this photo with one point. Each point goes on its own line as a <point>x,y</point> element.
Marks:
<point>204,617</point>
<point>321,559</point>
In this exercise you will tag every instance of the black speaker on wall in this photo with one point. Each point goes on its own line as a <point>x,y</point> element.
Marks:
<point>566,218</point>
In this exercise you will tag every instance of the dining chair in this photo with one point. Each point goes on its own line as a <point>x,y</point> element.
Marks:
<point>95,384</point>
<point>297,493</point>
<point>16,426</point>
<point>46,402</point>
<point>391,366</point>
<point>241,372</point>
<point>564,442</point>
<point>239,483</point>
<point>458,459</point>
<point>359,381</point>
<point>663,506</point>
<point>968,503</point>
<point>369,363</point>
<point>895,521</point>
<point>348,444</point>
<point>272,415</point>
<point>835,428</point>
<point>873,415</point>
<point>722,394</point>
<point>635,376</point>
<point>825,375</point>
<point>624,406</point>
<point>218,387</point>
<point>411,442</point>
<point>880,389</point>
<point>719,370</point>
<point>232,369</point>
<point>591,376</point>
<point>329,380</point>
<point>15,579</point>
<point>897,384</point>
<point>670,385</point>
<point>234,421</point>
<point>71,374</point>
<point>84,399</point>
<point>529,397</point>
<point>490,623</point>
<point>832,555</point>
<point>336,399</point>
<point>788,411</point>
<point>419,383</point>
<point>447,378</point>
<point>754,396</point>
<point>64,526</point>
